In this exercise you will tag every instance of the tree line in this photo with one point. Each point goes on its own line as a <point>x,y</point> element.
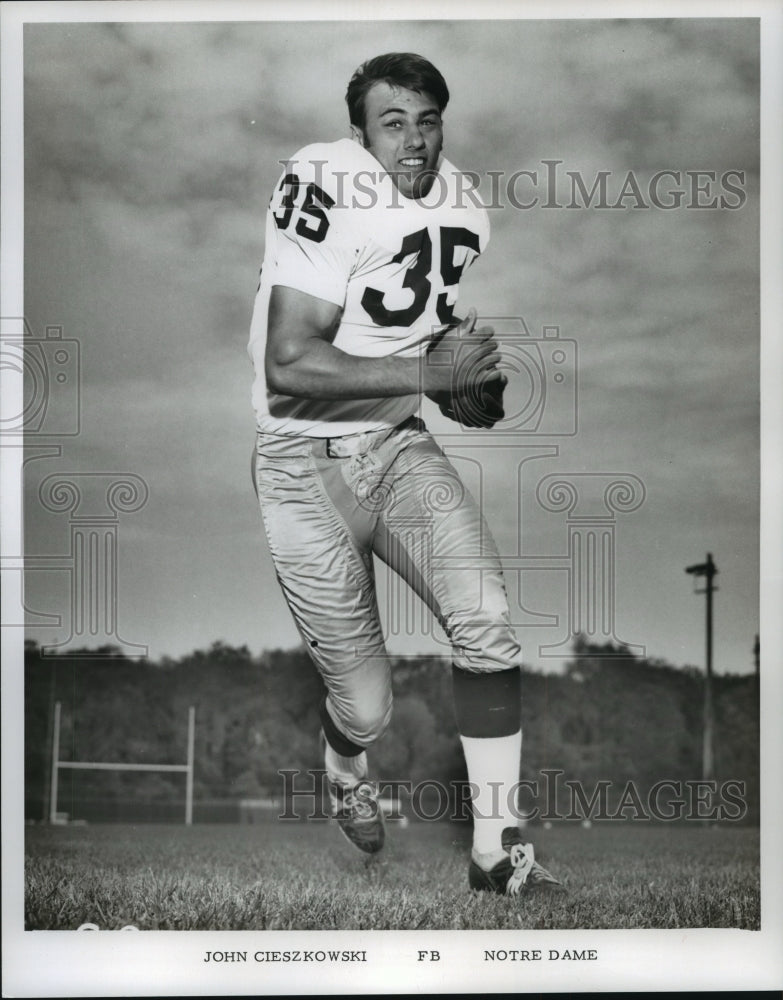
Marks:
<point>609,716</point>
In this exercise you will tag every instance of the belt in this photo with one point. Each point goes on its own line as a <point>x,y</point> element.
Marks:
<point>355,444</point>
<point>344,446</point>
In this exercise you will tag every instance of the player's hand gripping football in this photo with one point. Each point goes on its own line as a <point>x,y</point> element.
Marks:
<point>461,367</point>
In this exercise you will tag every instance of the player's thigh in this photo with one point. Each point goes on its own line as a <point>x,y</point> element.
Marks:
<point>326,579</point>
<point>432,532</point>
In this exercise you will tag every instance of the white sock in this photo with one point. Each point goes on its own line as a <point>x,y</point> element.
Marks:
<point>493,765</point>
<point>345,770</point>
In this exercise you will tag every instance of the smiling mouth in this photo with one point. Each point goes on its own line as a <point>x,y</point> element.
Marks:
<point>413,161</point>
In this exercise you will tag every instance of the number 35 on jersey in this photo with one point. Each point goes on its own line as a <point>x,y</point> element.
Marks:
<point>402,259</point>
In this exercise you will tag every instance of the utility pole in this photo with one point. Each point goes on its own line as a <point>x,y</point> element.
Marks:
<point>708,570</point>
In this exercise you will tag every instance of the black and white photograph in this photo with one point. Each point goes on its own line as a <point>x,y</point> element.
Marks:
<point>391,493</point>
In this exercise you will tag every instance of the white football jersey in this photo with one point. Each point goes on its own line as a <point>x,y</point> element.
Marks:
<point>337,228</point>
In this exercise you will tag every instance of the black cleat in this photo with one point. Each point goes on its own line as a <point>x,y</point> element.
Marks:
<point>359,815</point>
<point>517,873</point>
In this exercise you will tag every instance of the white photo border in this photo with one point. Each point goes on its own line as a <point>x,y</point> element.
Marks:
<point>156,963</point>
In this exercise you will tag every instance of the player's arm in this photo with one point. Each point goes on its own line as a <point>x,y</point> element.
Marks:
<point>301,359</point>
<point>443,396</point>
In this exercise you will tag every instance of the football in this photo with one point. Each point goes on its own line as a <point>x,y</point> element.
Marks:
<point>481,406</point>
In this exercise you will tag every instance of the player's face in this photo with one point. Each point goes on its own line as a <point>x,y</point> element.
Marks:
<point>404,132</point>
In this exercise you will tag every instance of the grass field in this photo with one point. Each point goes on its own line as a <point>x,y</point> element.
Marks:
<point>305,876</point>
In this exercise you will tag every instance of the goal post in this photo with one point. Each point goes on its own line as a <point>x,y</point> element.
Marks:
<point>58,765</point>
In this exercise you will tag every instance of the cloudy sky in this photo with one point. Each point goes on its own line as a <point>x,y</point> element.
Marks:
<point>150,154</point>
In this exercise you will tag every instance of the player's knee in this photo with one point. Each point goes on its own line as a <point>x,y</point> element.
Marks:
<point>483,641</point>
<point>368,722</point>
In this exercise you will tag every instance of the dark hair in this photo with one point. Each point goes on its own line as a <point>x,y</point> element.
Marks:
<point>398,69</point>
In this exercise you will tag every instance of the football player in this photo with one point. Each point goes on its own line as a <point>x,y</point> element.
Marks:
<point>366,241</point>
